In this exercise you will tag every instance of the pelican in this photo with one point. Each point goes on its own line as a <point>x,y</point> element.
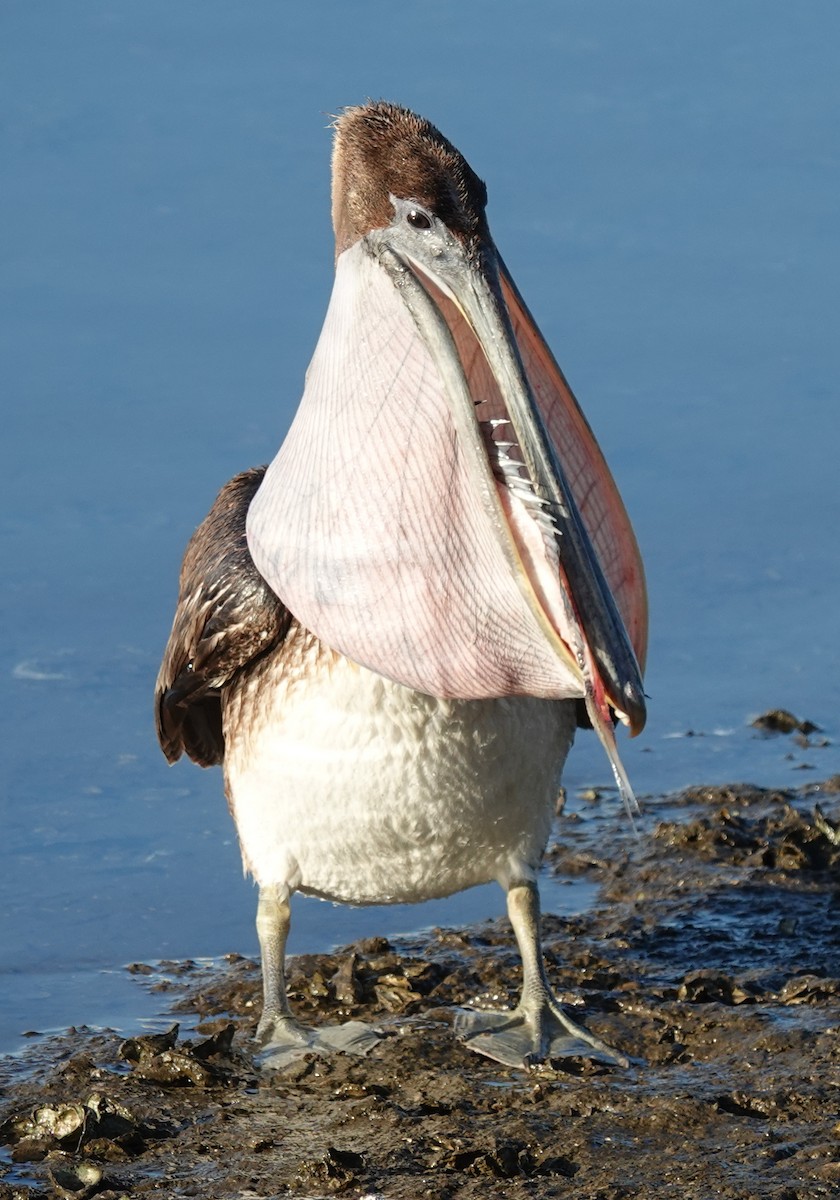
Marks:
<point>386,636</point>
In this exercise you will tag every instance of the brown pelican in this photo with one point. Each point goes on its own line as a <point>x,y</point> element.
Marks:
<point>437,570</point>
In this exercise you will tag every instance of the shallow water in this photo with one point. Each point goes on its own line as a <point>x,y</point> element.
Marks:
<point>663,186</point>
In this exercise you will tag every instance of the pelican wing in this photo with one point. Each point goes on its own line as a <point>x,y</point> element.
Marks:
<point>225,618</point>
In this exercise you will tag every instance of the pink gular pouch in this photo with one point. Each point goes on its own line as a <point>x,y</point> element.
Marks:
<point>447,517</point>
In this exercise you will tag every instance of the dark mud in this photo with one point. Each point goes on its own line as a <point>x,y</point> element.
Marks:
<point>712,959</point>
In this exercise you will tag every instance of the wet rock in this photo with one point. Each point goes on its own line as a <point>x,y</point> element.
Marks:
<point>829,829</point>
<point>51,1122</point>
<point>779,720</point>
<point>77,1181</point>
<point>374,945</point>
<point>158,1059</point>
<point>779,838</point>
<point>219,1044</point>
<point>808,989</point>
<point>591,795</point>
<point>500,1157</point>
<point>346,984</point>
<point>70,1124</point>
<point>31,1149</point>
<point>100,1125</point>
<point>708,987</point>
<point>731,795</point>
<point>22,1192</point>
<point>741,1104</point>
<point>335,1171</point>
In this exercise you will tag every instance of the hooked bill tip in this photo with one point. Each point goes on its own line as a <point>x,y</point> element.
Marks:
<point>634,711</point>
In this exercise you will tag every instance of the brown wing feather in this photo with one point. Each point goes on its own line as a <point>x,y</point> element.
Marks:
<point>226,617</point>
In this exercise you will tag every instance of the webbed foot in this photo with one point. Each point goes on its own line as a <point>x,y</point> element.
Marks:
<point>522,1036</point>
<point>284,1039</point>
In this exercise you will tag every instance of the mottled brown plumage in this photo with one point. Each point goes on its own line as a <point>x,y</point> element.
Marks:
<point>383,150</point>
<point>227,616</point>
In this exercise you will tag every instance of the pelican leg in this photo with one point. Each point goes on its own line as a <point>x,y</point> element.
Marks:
<point>538,1028</point>
<point>282,1036</point>
<point>273,921</point>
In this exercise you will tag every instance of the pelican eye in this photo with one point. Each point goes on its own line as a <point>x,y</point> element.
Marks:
<point>418,219</point>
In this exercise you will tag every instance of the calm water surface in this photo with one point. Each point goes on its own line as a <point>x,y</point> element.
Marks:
<point>663,183</point>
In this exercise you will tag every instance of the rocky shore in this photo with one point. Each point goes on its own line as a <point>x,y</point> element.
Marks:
<point>711,959</point>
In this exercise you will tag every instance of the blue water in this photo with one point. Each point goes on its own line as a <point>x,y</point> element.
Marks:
<point>663,183</point>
